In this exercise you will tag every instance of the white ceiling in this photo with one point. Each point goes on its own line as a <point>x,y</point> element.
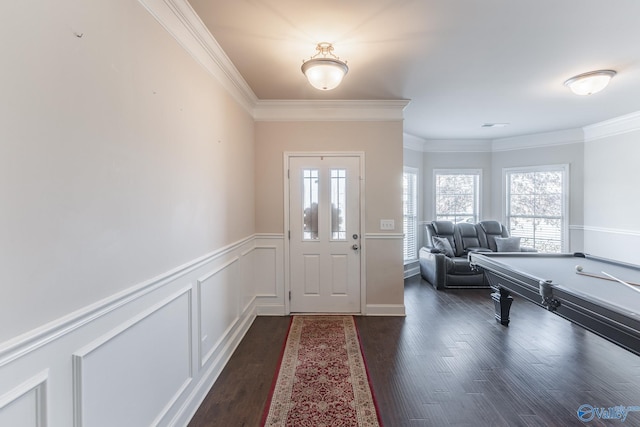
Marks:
<point>462,63</point>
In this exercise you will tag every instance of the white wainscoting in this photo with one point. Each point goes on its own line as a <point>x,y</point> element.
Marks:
<point>616,244</point>
<point>26,405</point>
<point>269,265</point>
<point>149,352</point>
<point>148,355</point>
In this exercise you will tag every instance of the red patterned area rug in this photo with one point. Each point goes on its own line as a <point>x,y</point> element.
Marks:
<point>322,380</point>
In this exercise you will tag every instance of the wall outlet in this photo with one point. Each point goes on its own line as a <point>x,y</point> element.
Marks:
<point>387,224</point>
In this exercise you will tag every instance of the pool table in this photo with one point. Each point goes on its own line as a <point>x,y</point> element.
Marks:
<point>602,305</point>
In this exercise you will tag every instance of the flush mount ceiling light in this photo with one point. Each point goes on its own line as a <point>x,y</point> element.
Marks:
<point>324,70</point>
<point>591,82</point>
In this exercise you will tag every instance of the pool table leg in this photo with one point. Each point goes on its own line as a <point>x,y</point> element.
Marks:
<point>502,301</point>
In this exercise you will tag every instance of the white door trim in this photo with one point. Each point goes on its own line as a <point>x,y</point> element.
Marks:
<point>287,272</point>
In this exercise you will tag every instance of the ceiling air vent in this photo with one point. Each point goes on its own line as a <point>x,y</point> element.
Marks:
<point>494,125</point>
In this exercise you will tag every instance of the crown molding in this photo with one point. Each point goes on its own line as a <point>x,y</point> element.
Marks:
<point>615,126</point>
<point>179,19</point>
<point>547,139</point>
<point>182,22</point>
<point>329,110</point>
<point>612,127</point>
<point>411,142</point>
<point>415,143</point>
<point>457,146</point>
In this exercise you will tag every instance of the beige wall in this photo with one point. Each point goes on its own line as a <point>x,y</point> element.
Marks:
<point>120,158</point>
<point>382,144</point>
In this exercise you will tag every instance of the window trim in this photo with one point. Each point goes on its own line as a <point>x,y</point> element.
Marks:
<point>416,172</point>
<point>562,167</point>
<point>477,172</point>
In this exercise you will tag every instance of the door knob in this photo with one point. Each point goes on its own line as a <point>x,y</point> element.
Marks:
<point>355,247</point>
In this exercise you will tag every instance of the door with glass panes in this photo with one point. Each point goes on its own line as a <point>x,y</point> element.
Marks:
<point>324,225</point>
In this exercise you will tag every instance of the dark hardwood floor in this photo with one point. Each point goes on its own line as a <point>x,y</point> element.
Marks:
<point>449,363</point>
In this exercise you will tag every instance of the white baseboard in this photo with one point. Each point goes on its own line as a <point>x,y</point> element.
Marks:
<point>270,310</point>
<point>410,272</point>
<point>385,310</point>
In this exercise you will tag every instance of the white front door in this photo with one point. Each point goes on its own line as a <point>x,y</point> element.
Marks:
<point>324,222</point>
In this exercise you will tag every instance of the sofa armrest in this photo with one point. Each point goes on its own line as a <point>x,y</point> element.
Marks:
<point>433,267</point>
<point>527,249</point>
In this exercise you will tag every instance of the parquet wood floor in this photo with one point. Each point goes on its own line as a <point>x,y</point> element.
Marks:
<point>449,363</point>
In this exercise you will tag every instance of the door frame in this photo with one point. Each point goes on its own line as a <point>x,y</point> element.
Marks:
<point>287,267</point>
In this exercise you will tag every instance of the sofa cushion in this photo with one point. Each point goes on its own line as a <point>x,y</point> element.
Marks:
<point>443,244</point>
<point>459,265</point>
<point>489,231</point>
<point>508,244</point>
<point>443,228</point>
<point>468,237</point>
<point>491,227</point>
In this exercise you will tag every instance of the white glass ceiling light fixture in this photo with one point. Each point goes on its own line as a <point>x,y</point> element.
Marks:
<point>324,70</point>
<point>591,82</point>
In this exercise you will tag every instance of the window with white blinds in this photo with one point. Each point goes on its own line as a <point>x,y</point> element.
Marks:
<point>536,206</point>
<point>410,211</point>
<point>457,195</point>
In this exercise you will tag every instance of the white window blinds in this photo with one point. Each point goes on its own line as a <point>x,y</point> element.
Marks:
<point>410,211</point>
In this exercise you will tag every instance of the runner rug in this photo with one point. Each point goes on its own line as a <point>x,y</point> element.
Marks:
<point>322,380</point>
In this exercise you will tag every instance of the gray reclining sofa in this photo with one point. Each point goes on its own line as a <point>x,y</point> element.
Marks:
<point>444,261</point>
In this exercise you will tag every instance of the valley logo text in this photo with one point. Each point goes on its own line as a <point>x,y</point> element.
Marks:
<point>587,412</point>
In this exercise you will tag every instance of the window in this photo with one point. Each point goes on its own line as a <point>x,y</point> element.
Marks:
<point>536,206</point>
<point>457,195</point>
<point>410,211</point>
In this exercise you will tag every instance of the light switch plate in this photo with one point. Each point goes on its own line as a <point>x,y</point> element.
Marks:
<point>387,224</point>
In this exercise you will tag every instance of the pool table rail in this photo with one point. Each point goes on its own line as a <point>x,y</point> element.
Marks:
<point>605,319</point>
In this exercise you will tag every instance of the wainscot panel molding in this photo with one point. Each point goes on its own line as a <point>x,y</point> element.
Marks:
<point>167,338</point>
<point>621,245</point>
<point>269,274</point>
<point>635,233</point>
<point>26,404</point>
<point>150,352</point>
<point>43,335</point>
<point>215,315</point>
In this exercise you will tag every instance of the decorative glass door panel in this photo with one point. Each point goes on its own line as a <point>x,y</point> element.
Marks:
<point>310,204</point>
